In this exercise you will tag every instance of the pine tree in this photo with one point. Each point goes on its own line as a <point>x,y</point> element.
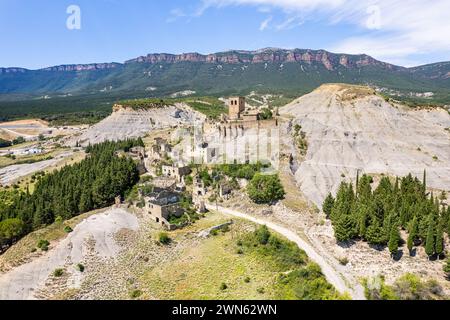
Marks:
<point>376,234</point>
<point>344,228</point>
<point>394,240</point>
<point>328,205</point>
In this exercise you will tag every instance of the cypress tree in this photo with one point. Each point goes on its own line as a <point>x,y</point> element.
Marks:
<point>357,182</point>
<point>361,219</point>
<point>439,239</point>
<point>394,240</point>
<point>424,182</point>
<point>448,220</point>
<point>430,241</point>
<point>328,205</point>
<point>413,230</point>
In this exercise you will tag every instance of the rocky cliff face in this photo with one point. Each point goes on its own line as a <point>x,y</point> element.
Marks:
<point>83,67</point>
<point>329,60</point>
<point>12,70</point>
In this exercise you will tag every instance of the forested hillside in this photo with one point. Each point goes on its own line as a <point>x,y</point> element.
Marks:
<point>91,184</point>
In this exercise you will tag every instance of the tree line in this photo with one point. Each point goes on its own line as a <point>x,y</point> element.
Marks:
<point>90,184</point>
<point>377,216</point>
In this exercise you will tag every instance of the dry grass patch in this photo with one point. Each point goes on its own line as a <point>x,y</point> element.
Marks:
<point>200,271</point>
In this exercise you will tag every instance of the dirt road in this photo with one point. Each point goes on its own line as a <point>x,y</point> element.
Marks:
<point>337,279</point>
<point>14,172</point>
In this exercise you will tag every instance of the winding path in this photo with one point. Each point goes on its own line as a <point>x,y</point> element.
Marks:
<point>332,275</point>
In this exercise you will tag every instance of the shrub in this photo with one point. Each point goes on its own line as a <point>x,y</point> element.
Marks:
<point>260,290</point>
<point>188,180</point>
<point>4,143</point>
<point>344,261</point>
<point>80,267</point>
<point>262,235</point>
<point>68,229</point>
<point>265,189</point>
<point>164,238</point>
<point>135,294</point>
<point>214,232</point>
<point>240,251</point>
<point>447,268</point>
<point>223,286</point>
<point>247,279</point>
<point>58,272</point>
<point>43,245</point>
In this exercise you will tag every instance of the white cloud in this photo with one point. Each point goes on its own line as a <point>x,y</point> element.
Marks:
<point>290,23</point>
<point>391,29</point>
<point>265,24</point>
<point>175,14</point>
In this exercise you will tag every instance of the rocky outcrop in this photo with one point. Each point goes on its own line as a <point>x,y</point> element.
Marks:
<point>12,70</point>
<point>83,67</point>
<point>330,61</point>
<point>271,55</point>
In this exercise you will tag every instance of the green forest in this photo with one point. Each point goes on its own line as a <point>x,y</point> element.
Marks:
<point>90,184</point>
<point>377,216</point>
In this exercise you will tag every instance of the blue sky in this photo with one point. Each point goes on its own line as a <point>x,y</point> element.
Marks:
<point>34,33</point>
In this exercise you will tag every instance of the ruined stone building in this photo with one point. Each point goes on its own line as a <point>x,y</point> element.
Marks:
<point>236,106</point>
<point>160,149</point>
<point>138,155</point>
<point>177,172</point>
<point>161,205</point>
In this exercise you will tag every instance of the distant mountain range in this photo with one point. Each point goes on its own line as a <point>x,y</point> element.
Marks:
<point>291,72</point>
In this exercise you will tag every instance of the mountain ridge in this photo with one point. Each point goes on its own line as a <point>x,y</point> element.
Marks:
<point>233,56</point>
<point>289,72</point>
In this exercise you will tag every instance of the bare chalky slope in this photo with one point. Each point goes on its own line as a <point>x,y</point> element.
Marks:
<point>24,281</point>
<point>350,128</point>
<point>132,123</point>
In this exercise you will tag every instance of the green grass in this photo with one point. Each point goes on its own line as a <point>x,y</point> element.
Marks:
<point>297,278</point>
<point>276,270</point>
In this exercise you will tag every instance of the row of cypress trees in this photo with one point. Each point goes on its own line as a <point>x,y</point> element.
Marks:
<point>378,216</point>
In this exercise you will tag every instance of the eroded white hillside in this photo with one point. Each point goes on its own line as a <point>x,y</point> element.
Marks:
<point>129,123</point>
<point>350,128</point>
